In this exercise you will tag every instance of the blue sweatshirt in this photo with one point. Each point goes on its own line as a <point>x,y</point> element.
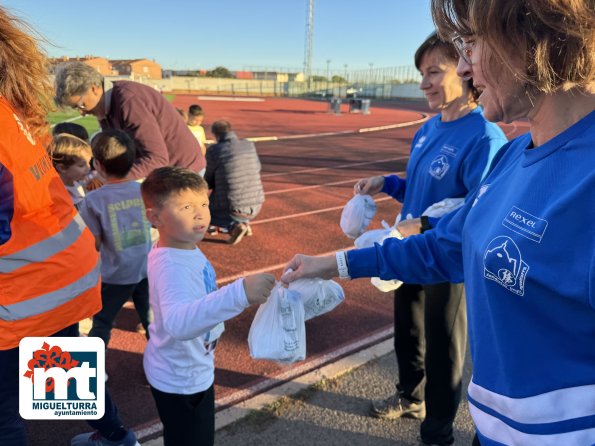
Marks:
<point>448,159</point>
<point>6,204</point>
<point>526,243</point>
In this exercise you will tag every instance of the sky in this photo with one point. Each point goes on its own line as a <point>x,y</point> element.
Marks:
<point>237,34</point>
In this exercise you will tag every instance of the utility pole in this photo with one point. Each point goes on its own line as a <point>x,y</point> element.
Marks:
<point>309,40</point>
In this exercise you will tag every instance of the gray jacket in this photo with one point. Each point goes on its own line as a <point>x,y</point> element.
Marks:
<point>233,172</point>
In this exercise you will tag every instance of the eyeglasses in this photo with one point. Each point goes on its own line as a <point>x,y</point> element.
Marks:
<point>79,105</point>
<point>463,48</point>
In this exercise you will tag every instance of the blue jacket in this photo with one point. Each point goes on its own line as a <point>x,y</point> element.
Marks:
<point>524,243</point>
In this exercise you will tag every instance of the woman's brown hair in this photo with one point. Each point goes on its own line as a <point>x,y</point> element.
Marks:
<point>24,76</point>
<point>558,36</point>
<point>434,43</point>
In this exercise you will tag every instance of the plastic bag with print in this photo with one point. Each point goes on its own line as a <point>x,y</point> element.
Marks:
<point>319,296</point>
<point>357,214</point>
<point>367,239</point>
<point>278,331</point>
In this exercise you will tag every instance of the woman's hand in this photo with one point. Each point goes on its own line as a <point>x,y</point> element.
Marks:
<point>310,267</point>
<point>409,227</point>
<point>369,186</point>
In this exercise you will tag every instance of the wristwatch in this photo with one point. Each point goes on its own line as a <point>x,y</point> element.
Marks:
<point>425,224</point>
<point>342,265</point>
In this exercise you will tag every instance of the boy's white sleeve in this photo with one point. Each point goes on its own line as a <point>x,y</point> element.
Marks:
<point>185,316</point>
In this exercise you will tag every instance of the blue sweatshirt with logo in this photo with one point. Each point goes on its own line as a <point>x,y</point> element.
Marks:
<point>448,159</point>
<point>525,240</point>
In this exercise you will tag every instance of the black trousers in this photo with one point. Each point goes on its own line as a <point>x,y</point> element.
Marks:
<point>113,298</point>
<point>188,420</point>
<point>430,344</point>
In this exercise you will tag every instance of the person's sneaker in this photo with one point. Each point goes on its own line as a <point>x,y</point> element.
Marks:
<point>237,233</point>
<point>212,230</point>
<point>96,439</point>
<point>396,406</point>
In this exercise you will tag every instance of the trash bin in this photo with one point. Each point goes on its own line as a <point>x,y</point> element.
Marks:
<point>359,106</point>
<point>355,105</point>
<point>335,106</point>
<point>365,106</point>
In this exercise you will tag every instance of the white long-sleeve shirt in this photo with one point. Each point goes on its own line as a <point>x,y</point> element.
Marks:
<point>189,311</point>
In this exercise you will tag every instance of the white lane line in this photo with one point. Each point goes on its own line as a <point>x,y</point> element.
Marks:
<point>269,268</point>
<point>424,118</point>
<point>68,120</point>
<point>316,186</point>
<point>229,98</point>
<point>303,214</point>
<point>341,166</point>
<point>514,127</point>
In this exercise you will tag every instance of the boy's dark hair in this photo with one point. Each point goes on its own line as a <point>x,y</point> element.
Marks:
<point>71,128</point>
<point>195,110</point>
<point>220,128</point>
<point>116,152</point>
<point>166,181</point>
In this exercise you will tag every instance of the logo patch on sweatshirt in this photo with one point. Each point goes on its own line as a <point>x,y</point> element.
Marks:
<point>482,190</point>
<point>502,263</point>
<point>439,167</point>
<point>449,150</point>
<point>525,224</point>
<point>420,142</point>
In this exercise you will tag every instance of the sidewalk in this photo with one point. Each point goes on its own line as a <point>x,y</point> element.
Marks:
<point>329,407</point>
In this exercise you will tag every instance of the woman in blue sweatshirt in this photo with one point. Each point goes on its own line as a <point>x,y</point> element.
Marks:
<point>449,155</point>
<point>525,240</point>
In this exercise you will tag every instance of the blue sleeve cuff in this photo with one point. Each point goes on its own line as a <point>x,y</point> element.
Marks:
<point>362,263</point>
<point>433,221</point>
<point>394,186</point>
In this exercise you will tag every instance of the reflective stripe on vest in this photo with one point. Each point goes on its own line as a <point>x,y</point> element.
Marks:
<point>45,248</point>
<point>49,301</point>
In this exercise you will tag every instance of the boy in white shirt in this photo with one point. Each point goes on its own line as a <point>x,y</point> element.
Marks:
<point>188,308</point>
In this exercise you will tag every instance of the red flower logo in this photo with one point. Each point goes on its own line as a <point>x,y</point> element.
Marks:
<point>49,357</point>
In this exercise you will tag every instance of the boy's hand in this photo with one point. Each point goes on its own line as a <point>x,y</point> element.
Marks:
<point>258,287</point>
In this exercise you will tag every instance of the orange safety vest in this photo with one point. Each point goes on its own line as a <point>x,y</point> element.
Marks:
<point>49,268</point>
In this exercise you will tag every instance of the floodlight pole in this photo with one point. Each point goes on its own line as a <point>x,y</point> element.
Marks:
<point>309,41</point>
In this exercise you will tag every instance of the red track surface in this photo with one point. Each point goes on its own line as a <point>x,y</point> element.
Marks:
<point>307,181</point>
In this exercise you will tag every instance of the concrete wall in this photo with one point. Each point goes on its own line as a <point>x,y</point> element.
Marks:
<point>255,87</point>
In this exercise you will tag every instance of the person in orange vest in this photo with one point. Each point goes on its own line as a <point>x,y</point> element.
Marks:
<point>49,268</point>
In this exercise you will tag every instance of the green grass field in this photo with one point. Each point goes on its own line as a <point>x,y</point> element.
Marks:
<point>89,122</point>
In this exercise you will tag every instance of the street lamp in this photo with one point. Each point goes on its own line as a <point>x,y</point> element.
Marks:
<point>328,73</point>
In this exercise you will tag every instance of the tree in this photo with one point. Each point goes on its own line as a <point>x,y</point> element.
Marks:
<point>219,72</point>
<point>338,80</point>
<point>319,79</point>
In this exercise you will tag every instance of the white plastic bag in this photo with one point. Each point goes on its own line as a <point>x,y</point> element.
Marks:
<point>319,296</point>
<point>367,239</point>
<point>278,331</point>
<point>357,214</point>
<point>444,207</point>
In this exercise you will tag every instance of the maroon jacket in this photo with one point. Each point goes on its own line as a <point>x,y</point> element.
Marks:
<point>162,138</point>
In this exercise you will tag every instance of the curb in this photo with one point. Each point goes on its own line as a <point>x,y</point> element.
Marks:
<point>424,118</point>
<point>238,405</point>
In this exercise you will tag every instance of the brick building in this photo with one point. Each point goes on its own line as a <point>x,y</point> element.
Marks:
<point>137,68</point>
